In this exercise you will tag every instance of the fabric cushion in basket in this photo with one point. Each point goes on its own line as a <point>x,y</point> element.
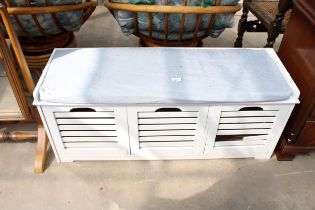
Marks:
<point>71,20</point>
<point>163,75</point>
<point>125,20</point>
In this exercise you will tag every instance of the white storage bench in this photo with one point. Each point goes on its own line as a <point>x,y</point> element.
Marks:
<point>164,103</point>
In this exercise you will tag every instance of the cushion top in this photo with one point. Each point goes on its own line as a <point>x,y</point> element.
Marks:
<point>164,75</point>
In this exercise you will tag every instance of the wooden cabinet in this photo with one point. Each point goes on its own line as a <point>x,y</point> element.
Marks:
<point>297,52</point>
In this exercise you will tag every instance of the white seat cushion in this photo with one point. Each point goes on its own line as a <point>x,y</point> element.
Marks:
<point>163,75</point>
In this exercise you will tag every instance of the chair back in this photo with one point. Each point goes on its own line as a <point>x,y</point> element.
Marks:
<point>168,10</point>
<point>45,18</point>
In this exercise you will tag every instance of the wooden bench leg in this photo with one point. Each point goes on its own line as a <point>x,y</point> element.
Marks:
<point>41,150</point>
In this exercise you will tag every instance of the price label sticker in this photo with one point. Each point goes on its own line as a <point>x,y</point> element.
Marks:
<point>176,79</point>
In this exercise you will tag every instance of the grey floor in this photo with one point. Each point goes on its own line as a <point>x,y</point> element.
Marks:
<point>141,185</point>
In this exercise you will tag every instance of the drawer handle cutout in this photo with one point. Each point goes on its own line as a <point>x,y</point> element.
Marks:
<point>251,109</point>
<point>168,110</point>
<point>82,110</point>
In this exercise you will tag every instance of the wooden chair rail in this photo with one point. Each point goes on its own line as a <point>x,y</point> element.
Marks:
<point>172,9</point>
<point>166,10</point>
<point>49,9</point>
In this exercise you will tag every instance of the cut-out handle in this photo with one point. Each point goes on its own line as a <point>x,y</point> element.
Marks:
<point>251,109</point>
<point>168,110</point>
<point>82,110</point>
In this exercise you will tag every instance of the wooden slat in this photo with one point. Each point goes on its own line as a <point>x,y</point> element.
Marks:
<point>248,113</point>
<point>247,119</point>
<point>87,127</point>
<point>167,127</point>
<point>166,114</point>
<point>242,132</point>
<point>85,121</point>
<point>166,27</point>
<point>245,125</point>
<point>240,143</point>
<point>167,120</point>
<point>90,138</point>
<point>167,133</point>
<point>197,26</point>
<point>88,133</point>
<point>150,24</point>
<point>165,22</point>
<point>211,23</point>
<point>254,138</point>
<point>91,145</point>
<point>172,9</point>
<point>166,138</point>
<point>34,17</point>
<point>135,21</point>
<point>241,137</point>
<point>83,114</point>
<point>166,144</point>
<point>182,24</point>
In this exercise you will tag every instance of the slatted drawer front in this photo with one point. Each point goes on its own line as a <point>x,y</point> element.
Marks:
<point>246,126</point>
<point>87,129</point>
<point>167,130</point>
<point>88,133</point>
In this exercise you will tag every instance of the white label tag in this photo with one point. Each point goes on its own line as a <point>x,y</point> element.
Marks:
<point>176,79</point>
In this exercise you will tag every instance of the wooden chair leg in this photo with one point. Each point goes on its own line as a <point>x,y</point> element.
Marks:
<point>242,24</point>
<point>41,150</point>
<point>274,30</point>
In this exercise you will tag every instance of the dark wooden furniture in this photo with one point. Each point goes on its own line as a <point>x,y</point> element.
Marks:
<point>272,17</point>
<point>37,50</point>
<point>297,52</point>
<point>29,114</point>
<point>150,41</point>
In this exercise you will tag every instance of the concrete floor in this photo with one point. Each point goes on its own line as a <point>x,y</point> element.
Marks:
<point>140,185</point>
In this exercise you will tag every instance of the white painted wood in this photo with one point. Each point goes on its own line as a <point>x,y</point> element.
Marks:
<point>119,146</point>
<point>253,138</point>
<point>166,114</point>
<point>167,120</point>
<point>88,133</point>
<point>90,138</point>
<point>283,116</point>
<point>259,146</point>
<point>87,127</point>
<point>167,127</point>
<point>245,125</point>
<point>143,133</point>
<point>212,127</point>
<point>240,132</point>
<point>163,140</point>
<point>167,138</point>
<point>247,119</point>
<point>86,121</point>
<point>84,115</point>
<point>239,143</point>
<point>49,132</point>
<point>248,113</point>
<point>168,133</point>
<point>166,144</point>
<point>91,145</point>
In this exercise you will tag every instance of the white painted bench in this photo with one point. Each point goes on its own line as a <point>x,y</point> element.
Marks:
<point>164,103</point>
